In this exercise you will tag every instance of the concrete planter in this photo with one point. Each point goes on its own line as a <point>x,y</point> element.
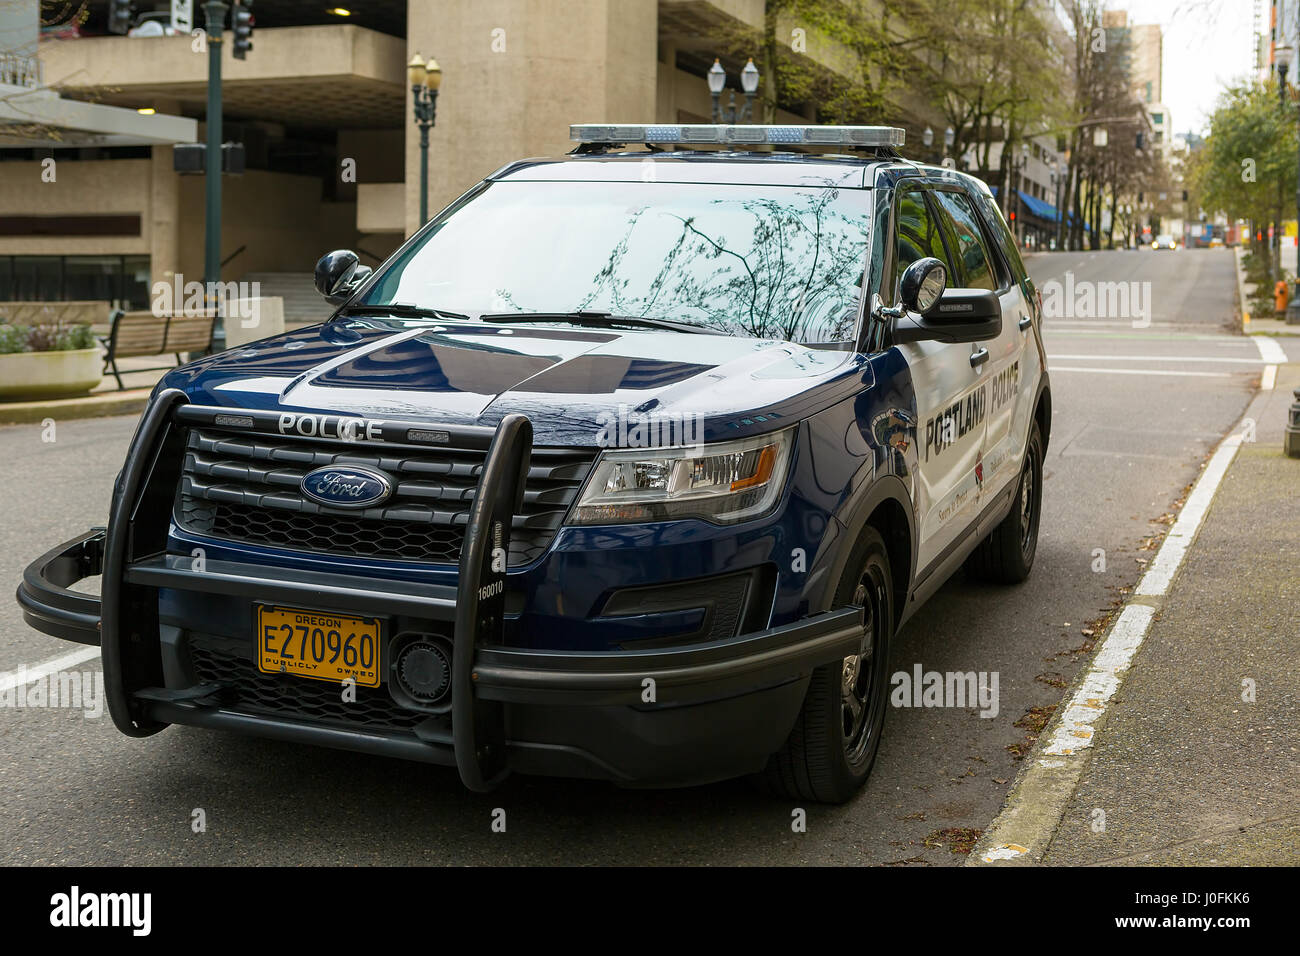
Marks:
<point>31,376</point>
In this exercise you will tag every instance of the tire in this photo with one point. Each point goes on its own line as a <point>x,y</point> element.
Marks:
<point>831,748</point>
<point>1006,556</point>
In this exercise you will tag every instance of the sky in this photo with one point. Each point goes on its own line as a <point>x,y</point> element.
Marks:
<point>1207,45</point>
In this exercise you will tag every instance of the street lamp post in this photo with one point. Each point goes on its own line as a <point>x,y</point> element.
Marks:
<point>1056,184</point>
<point>425,78</point>
<point>717,78</point>
<point>215,14</point>
<point>949,137</point>
<point>1284,55</point>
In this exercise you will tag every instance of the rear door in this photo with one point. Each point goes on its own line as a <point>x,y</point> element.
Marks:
<point>949,398</point>
<point>1018,358</point>
<point>981,267</point>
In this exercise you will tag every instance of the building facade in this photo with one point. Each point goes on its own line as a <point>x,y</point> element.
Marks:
<point>323,108</point>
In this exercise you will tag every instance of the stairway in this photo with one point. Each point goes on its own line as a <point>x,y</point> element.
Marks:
<point>303,305</point>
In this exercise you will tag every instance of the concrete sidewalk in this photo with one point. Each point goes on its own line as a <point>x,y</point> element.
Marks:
<point>1197,760</point>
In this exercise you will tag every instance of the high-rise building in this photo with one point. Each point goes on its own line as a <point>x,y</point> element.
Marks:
<point>1145,54</point>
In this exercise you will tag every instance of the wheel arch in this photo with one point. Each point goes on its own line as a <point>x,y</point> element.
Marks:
<point>886,506</point>
<point>1043,411</point>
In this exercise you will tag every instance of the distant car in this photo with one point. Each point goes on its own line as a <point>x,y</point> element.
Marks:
<point>1216,243</point>
<point>1164,242</point>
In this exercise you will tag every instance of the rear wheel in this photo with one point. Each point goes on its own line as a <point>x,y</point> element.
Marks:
<point>1006,556</point>
<point>833,744</point>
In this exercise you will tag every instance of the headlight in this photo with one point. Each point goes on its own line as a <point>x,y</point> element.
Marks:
<point>722,482</point>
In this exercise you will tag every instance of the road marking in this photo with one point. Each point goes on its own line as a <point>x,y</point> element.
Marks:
<point>1154,336</point>
<point>1160,358</point>
<point>1078,721</point>
<point>1038,801</point>
<point>39,671</point>
<point>1136,371</point>
<point>1269,350</point>
<point>1161,571</point>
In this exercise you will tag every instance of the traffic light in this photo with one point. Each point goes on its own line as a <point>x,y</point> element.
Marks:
<point>241,25</point>
<point>120,15</point>
<point>1184,195</point>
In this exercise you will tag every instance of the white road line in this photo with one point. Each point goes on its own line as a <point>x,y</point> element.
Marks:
<point>1161,571</point>
<point>1078,721</point>
<point>1269,350</point>
<point>1136,371</point>
<point>26,675</point>
<point>1160,358</point>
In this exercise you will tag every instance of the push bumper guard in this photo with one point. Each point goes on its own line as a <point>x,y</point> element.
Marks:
<point>486,674</point>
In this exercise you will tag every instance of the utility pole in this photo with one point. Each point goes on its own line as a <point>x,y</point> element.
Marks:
<point>215,12</point>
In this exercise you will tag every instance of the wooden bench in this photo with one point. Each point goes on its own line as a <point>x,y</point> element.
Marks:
<point>135,334</point>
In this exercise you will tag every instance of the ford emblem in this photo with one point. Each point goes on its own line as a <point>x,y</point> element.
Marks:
<point>347,486</point>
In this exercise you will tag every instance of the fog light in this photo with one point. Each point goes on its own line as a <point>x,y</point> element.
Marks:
<point>423,671</point>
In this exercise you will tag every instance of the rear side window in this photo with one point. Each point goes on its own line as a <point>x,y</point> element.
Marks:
<point>916,233</point>
<point>1002,235</point>
<point>972,252</point>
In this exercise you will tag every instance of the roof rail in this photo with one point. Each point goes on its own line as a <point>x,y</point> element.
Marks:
<point>597,137</point>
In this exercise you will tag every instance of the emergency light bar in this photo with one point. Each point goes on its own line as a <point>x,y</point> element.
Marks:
<point>701,133</point>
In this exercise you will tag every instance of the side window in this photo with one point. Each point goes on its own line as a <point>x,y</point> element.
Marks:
<point>916,233</point>
<point>1002,236</point>
<point>977,270</point>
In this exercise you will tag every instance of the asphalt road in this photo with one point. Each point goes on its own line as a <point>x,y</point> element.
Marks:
<point>1136,411</point>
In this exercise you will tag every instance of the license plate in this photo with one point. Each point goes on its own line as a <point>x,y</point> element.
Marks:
<point>318,644</point>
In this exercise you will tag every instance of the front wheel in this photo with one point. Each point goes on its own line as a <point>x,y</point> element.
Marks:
<point>1006,556</point>
<point>833,744</point>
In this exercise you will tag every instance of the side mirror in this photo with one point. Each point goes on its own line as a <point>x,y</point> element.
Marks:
<point>339,274</point>
<point>923,284</point>
<point>959,315</point>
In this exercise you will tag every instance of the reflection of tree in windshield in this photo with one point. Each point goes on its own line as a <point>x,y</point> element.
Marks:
<point>785,269</point>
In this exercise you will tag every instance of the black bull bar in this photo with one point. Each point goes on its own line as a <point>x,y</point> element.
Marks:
<point>132,559</point>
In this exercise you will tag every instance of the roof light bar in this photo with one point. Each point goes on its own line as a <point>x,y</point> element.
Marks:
<point>625,133</point>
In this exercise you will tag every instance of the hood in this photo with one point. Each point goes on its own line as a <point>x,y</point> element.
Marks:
<point>570,381</point>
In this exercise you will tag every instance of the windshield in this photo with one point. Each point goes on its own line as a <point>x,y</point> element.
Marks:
<point>764,261</point>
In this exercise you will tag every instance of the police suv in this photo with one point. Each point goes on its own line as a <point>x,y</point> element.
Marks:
<point>628,465</point>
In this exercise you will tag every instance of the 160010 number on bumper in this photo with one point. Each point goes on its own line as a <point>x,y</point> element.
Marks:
<point>318,644</point>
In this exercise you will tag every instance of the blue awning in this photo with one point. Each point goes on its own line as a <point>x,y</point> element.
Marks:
<point>1041,208</point>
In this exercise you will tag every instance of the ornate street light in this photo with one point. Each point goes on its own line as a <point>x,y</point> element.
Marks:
<point>717,78</point>
<point>425,78</point>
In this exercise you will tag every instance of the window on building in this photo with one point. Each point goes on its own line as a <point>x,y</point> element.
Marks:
<point>122,281</point>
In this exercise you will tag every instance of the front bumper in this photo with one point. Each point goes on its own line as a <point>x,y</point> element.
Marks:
<point>679,715</point>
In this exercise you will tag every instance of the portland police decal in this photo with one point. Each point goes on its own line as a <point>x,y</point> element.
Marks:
<point>349,486</point>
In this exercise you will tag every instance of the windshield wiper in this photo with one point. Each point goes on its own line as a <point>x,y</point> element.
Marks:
<point>403,310</point>
<point>593,319</point>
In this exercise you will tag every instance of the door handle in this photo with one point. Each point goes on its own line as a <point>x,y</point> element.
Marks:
<point>978,358</point>
<point>1025,322</point>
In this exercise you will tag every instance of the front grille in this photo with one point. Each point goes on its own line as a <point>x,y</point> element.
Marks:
<point>245,487</point>
<point>252,691</point>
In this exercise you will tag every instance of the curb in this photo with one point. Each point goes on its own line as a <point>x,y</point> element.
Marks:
<point>130,402</point>
<point>1036,804</point>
